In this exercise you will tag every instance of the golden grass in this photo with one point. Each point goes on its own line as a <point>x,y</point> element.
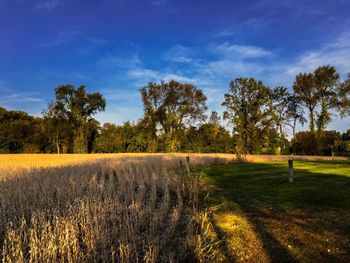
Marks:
<point>106,207</point>
<point>239,238</point>
<point>29,161</point>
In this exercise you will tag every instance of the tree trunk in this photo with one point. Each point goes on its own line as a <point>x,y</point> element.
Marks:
<point>281,135</point>
<point>312,120</point>
<point>294,125</point>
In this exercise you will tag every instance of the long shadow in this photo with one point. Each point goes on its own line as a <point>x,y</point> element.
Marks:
<point>261,187</point>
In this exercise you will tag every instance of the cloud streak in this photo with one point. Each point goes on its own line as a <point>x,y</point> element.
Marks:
<point>158,2</point>
<point>50,4</point>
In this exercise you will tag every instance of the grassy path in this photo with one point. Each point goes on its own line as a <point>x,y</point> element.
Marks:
<point>260,217</point>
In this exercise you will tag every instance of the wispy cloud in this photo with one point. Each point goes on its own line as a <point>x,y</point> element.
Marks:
<point>50,4</point>
<point>62,38</point>
<point>252,25</point>
<point>113,62</point>
<point>97,41</point>
<point>19,97</point>
<point>147,75</point>
<point>180,54</point>
<point>158,2</point>
<point>66,37</point>
<point>241,51</point>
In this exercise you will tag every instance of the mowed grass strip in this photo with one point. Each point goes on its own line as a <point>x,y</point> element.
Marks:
<point>261,217</point>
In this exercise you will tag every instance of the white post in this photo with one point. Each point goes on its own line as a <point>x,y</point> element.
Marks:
<point>290,166</point>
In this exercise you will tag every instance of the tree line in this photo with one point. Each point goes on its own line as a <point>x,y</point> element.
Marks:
<point>175,120</point>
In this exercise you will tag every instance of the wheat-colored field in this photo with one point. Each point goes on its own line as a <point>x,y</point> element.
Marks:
<point>104,208</point>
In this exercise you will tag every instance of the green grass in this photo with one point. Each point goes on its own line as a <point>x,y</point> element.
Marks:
<point>316,206</point>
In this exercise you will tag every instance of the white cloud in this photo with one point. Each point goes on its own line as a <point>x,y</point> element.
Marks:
<point>241,51</point>
<point>113,62</point>
<point>253,25</point>
<point>19,98</point>
<point>180,54</point>
<point>50,4</point>
<point>144,73</point>
<point>158,2</point>
<point>181,59</point>
<point>147,75</point>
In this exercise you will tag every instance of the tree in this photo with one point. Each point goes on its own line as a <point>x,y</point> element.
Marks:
<point>20,132</point>
<point>311,143</point>
<point>306,93</point>
<point>344,98</point>
<point>295,113</point>
<point>247,108</point>
<point>74,108</point>
<point>281,99</point>
<point>110,139</point>
<point>326,79</point>
<point>214,121</point>
<point>169,107</point>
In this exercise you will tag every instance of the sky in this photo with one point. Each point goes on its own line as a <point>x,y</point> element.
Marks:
<point>117,46</point>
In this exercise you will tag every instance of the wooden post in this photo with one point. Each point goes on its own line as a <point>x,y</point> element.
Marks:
<point>290,167</point>
<point>332,152</point>
<point>188,163</point>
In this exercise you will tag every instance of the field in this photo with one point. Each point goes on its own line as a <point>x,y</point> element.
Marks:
<point>263,218</point>
<point>160,208</point>
<point>119,208</point>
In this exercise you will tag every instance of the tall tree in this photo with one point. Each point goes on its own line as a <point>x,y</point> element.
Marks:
<point>295,113</point>
<point>75,107</point>
<point>214,120</point>
<point>306,93</point>
<point>281,98</point>
<point>326,80</point>
<point>344,98</point>
<point>169,107</point>
<point>247,108</point>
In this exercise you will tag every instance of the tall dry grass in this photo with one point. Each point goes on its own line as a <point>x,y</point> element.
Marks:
<point>126,209</point>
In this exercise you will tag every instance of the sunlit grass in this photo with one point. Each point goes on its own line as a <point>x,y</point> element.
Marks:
<point>253,203</point>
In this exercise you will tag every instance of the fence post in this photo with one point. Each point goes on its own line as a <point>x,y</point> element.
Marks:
<point>332,147</point>
<point>188,163</point>
<point>290,167</point>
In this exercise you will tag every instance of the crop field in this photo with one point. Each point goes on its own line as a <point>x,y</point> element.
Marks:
<point>160,208</point>
<point>105,208</point>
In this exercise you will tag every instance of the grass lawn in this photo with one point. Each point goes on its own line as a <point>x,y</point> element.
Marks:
<point>261,217</point>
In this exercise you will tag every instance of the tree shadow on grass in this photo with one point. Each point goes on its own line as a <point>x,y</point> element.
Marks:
<point>266,198</point>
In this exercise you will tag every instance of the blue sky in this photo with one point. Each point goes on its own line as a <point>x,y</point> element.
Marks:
<point>117,46</point>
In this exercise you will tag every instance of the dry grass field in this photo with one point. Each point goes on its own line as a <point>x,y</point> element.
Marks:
<point>119,208</point>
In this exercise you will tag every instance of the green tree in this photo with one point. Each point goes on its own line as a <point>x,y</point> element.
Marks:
<point>344,98</point>
<point>307,94</point>
<point>248,110</point>
<point>20,132</point>
<point>75,107</point>
<point>281,99</point>
<point>110,139</point>
<point>326,81</point>
<point>169,107</point>
<point>295,113</point>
